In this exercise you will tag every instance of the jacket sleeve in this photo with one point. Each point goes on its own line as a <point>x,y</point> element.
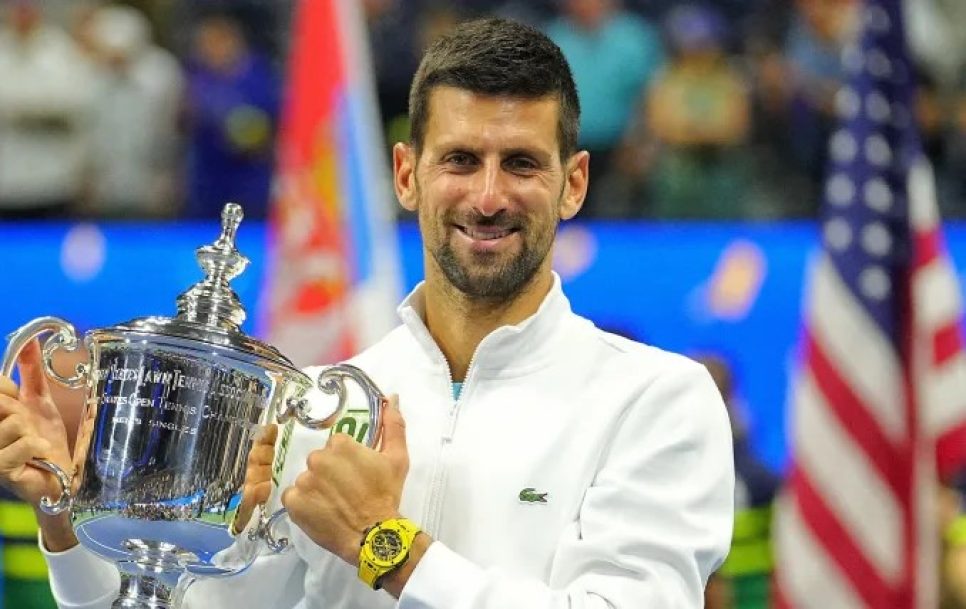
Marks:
<point>81,580</point>
<point>653,526</point>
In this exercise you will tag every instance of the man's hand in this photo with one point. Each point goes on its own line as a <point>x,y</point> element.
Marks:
<point>258,477</point>
<point>31,426</point>
<point>348,487</point>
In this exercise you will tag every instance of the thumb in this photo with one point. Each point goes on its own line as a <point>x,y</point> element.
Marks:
<point>393,430</point>
<point>33,379</point>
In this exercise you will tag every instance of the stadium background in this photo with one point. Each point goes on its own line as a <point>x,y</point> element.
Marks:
<point>701,221</point>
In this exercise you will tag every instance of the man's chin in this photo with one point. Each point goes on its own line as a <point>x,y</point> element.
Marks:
<point>493,283</point>
<point>484,275</point>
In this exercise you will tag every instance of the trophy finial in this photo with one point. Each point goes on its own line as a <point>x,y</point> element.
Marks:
<point>231,217</point>
<point>212,301</point>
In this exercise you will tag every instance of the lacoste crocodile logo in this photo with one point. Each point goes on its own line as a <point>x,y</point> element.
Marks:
<point>530,495</point>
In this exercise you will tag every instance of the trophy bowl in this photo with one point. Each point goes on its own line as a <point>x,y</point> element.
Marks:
<point>173,407</point>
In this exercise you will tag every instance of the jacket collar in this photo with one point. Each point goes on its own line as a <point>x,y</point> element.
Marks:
<point>507,347</point>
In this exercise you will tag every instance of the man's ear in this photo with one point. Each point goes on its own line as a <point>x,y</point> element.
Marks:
<point>577,178</point>
<point>404,175</point>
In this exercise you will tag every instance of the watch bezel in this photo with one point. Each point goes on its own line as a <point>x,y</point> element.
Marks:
<point>375,556</point>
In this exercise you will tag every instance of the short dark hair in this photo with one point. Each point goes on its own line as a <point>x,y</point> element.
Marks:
<point>497,57</point>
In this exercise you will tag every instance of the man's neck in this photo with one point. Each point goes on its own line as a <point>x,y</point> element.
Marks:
<point>458,323</point>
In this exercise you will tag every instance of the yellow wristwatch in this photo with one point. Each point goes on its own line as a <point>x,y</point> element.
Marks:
<point>385,547</point>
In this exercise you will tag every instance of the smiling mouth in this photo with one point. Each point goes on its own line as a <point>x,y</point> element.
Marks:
<point>486,233</point>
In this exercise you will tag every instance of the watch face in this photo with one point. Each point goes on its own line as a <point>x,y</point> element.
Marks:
<point>386,545</point>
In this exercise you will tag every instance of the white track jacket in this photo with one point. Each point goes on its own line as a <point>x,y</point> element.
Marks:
<point>577,470</point>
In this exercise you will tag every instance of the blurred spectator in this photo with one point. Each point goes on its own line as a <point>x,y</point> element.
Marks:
<point>263,24</point>
<point>134,131</point>
<point>233,106</point>
<point>78,23</point>
<point>393,40</point>
<point>614,56</point>
<point>814,49</point>
<point>748,568</point>
<point>45,105</point>
<point>780,186</point>
<point>699,111</point>
<point>938,39</point>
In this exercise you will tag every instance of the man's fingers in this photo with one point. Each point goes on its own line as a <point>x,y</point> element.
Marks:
<point>267,435</point>
<point>255,493</point>
<point>9,406</point>
<point>12,428</point>
<point>261,455</point>
<point>261,491</point>
<point>258,474</point>
<point>8,387</point>
<point>33,379</point>
<point>16,455</point>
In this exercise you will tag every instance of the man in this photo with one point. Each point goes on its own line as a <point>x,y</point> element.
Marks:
<point>573,468</point>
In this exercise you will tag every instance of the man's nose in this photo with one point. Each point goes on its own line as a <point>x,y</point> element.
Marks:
<point>491,194</point>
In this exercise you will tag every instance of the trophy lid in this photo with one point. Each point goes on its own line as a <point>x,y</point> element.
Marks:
<point>210,311</point>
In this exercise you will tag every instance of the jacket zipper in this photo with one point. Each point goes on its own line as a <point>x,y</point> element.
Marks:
<point>434,502</point>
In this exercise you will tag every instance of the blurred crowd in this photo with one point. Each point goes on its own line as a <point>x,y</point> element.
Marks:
<point>169,108</point>
<point>98,119</point>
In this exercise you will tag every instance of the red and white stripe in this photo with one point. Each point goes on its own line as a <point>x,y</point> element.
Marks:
<point>873,427</point>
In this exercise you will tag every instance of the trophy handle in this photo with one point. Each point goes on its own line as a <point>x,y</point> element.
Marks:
<point>263,531</point>
<point>64,337</point>
<point>47,505</point>
<point>332,381</point>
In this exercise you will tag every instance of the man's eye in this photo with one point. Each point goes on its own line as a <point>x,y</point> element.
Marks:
<point>521,164</point>
<point>459,158</point>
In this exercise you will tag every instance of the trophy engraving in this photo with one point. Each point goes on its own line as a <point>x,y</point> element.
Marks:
<point>173,408</point>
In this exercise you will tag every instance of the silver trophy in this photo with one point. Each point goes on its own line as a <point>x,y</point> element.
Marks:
<point>173,407</point>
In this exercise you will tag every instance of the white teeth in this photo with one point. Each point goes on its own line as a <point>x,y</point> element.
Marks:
<point>485,234</point>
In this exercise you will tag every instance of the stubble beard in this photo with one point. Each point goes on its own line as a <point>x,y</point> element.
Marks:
<point>491,277</point>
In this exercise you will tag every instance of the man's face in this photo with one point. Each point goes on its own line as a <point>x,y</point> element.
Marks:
<point>219,44</point>
<point>24,16</point>
<point>489,188</point>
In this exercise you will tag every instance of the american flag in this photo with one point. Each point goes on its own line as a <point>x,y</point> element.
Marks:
<point>880,398</point>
